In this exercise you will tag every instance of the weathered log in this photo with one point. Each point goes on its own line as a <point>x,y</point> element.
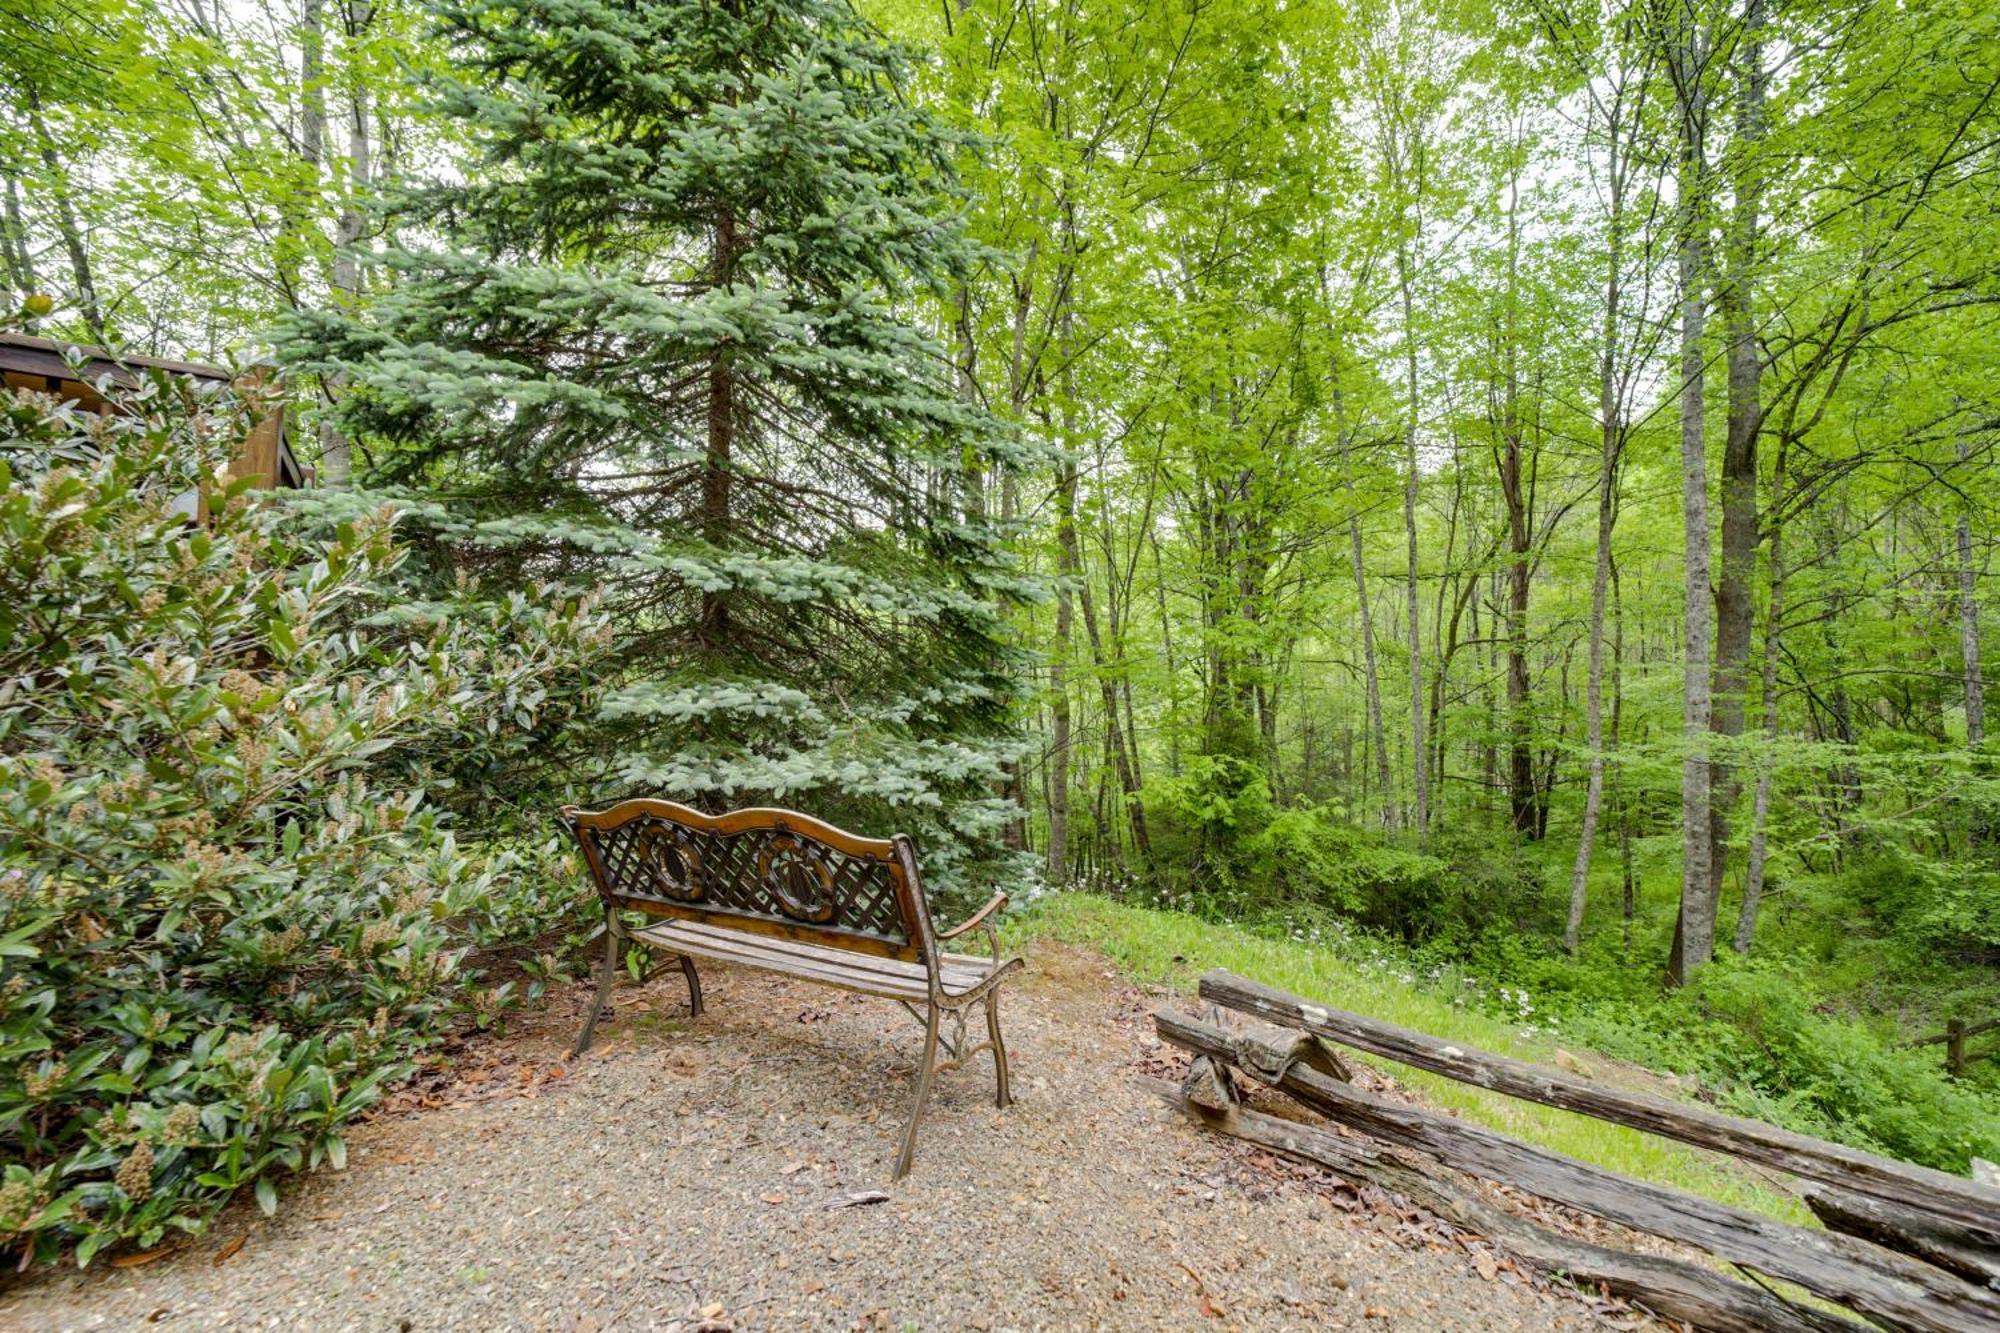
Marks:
<point>1950,1198</point>
<point>1669,1287</point>
<point>1208,1085</point>
<point>1970,1252</point>
<point>1268,1050</point>
<point>1889,1287</point>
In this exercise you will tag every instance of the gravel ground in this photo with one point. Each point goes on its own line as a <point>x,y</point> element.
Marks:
<point>679,1176</point>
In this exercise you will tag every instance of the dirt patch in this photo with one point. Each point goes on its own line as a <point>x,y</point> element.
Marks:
<point>682,1176</point>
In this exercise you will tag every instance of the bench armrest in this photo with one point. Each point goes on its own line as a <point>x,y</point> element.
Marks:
<point>976,920</point>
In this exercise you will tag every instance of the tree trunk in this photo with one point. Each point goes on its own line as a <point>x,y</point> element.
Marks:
<point>14,253</point>
<point>1521,798</point>
<point>1622,799</point>
<point>68,226</point>
<point>1968,627</point>
<point>1376,734</point>
<point>1114,731</point>
<point>1059,729</point>
<point>972,478</point>
<point>1166,645</point>
<point>336,463</point>
<point>717,462</point>
<point>299,204</point>
<point>1694,932</point>
<point>1734,606</point>
<point>1016,833</point>
<point>1610,444</point>
<point>1489,751</point>
<point>1013,786</point>
<point>1419,776</point>
<point>1522,802</point>
<point>1760,812</point>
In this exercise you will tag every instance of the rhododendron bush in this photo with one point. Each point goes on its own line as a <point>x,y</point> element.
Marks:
<point>228,913</point>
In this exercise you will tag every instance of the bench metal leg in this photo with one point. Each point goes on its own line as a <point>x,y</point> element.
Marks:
<point>694,986</point>
<point>923,1092</point>
<point>604,971</point>
<point>1001,1096</point>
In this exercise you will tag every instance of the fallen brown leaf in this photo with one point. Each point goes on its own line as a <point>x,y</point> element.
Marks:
<point>143,1257</point>
<point>230,1251</point>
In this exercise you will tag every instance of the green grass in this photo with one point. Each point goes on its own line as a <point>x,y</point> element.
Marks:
<point>1174,949</point>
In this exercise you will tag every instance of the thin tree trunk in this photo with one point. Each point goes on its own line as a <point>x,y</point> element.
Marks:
<point>1980,829</point>
<point>300,204</point>
<point>1522,799</point>
<point>1968,627</point>
<point>1376,734</point>
<point>1114,731</point>
<point>1419,776</point>
<point>972,479</point>
<point>1622,798</point>
<point>1694,934</point>
<point>336,461</point>
<point>1489,760</point>
<point>20,271</point>
<point>717,463</point>
<point>1610,445</point>
<point>1059,731</point>
<point>68,226</point>
<point>1760,813</point>
<point>1166,645</point>
<point>1377,738</point>
<point>1016,833</point>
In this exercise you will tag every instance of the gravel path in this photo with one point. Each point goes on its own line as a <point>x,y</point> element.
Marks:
<point>678,1177</point>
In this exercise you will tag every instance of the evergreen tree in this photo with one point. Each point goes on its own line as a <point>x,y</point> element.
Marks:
<point>659,339</point>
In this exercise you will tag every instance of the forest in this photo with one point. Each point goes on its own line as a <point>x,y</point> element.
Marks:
<point>1503,489</point>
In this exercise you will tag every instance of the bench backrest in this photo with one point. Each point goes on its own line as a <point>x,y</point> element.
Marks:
<point>773,872</point>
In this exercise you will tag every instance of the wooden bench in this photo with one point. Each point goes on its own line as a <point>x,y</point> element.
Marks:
<point>788,893</point>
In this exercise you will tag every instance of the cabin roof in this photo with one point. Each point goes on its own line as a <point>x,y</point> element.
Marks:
<point>50,357</point>
<point>51,360</point>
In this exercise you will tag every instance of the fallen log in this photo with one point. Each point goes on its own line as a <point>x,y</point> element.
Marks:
<point>1267,1051</point>
<point>1884,1285</point>
<point>1208,1085</point>
<point>1670,1288</point>
<point>1970,1253</point>
<point>1950,1198</point>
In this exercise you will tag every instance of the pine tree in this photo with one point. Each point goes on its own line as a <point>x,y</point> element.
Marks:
<point>661,339</point>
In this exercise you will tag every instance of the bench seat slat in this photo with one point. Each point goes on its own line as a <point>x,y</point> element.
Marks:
<point>961,970</point>
<point>866,974</point>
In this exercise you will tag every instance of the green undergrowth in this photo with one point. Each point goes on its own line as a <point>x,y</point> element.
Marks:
<point>1174,949</point>
<point>1812,1029</point>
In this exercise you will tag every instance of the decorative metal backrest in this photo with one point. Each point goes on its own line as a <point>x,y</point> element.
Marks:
<point>775,872</point>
